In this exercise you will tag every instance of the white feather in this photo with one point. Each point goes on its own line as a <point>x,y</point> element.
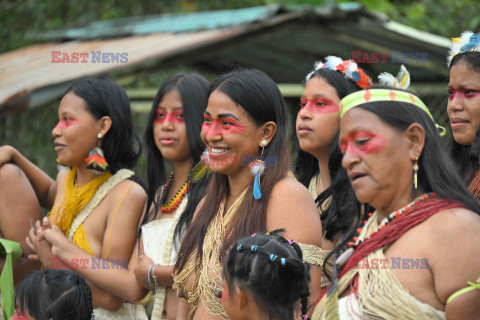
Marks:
<point>401,74</point>
<point>387,79</point>
<point>333,62</point>
<point>256,167</point>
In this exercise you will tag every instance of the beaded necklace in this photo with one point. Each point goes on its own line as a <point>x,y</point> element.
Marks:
<point>177,199</point>
<point>385,221</point>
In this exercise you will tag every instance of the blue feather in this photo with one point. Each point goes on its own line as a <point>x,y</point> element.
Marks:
<point>257,193</point>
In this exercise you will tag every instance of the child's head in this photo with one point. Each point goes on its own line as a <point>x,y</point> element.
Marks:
<point>265,273</point>
<point>54,294</point>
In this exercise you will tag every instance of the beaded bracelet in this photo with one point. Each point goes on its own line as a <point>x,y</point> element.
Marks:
<point>148,277</point>
<point>155,277</point>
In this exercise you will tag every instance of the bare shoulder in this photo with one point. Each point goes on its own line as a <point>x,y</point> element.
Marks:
<point>453,222</point>
<point>453,243</point>
<point>292,207</point>
<point>135,190</point>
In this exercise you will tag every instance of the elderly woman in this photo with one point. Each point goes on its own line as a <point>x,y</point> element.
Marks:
<point>403,263</point>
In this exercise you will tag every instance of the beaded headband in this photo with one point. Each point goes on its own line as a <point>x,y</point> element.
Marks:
<point>467,42</point>
<point>375,95</point>
<point>349,68</point>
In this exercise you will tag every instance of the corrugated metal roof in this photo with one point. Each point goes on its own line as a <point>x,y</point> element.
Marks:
<point>282,42</point>
<point>175,22</point>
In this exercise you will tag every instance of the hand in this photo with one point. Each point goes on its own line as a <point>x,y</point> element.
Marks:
<point>58,240</point>
<point>141,271</point>
<point>42,248</point>
<point>6,154</point>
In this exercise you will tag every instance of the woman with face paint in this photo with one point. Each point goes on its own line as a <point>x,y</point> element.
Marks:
<point>464,105</point>
<point>403,264</point>
<point>318,163</point>
<point>172,133</point>
<point>94,202</point>
<point>244,129</point>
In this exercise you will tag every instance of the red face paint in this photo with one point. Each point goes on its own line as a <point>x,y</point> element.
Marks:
<point>319,105</point>
<point>162,116</point>
<point>221,126</point>
<point>65,122</point>
<point>463,93</point>
<point>362,143</point>
<point>224,293</point>
<point>19,315</point>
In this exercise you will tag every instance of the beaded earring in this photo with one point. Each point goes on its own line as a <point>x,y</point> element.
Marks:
<point>256,168</point>
<point>96,160</point>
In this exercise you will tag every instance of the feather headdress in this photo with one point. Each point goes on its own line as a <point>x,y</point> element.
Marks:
<point>349,68</point>
<point>467,42</point>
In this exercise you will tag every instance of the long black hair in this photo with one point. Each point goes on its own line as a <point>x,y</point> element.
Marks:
<point>437,172</point>
<point>120,145</point>
<point>466,161</point>
<point>272,270</point>
<point>193,90</point>
<point>55,294</point>
<point>344,210</point>
<point>257,94</point>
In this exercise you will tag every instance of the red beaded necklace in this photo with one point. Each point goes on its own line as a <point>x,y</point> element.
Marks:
<point>177,199</point>
<point>386,221</point>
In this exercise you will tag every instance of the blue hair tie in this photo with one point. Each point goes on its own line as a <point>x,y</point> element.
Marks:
<point>282,261</point>
<point>273,257</point>
<point>254,248</point>
<point>239,248</point>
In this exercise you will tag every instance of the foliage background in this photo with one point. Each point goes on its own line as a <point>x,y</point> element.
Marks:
<point>30,131</point>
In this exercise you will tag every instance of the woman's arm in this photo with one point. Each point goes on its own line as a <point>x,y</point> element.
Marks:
<point>453,268</point>
<point>182,310</point>
<point>291,207</point>
<point>45,187</point>
<point>126,202</point>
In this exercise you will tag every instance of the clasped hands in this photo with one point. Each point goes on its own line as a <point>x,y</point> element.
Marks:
<point>46,241</point>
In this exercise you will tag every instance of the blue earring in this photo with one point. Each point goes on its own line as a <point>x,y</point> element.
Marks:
<point>257,168</point>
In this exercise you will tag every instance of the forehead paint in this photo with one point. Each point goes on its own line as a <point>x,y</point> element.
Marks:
<point>63,123</point>
<point>362,143</point>
<point>319,105</point>
<point>224,293</point>
<point>162,116</point>
<point>221,126</point>
<point>460,93</point>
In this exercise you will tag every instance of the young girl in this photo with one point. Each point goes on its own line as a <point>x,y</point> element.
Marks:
<point>318,163</point>
<point>53,294</point>
<point>264,277</point>
<point>172,133</point>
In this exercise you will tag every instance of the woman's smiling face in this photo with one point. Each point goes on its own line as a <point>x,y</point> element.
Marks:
<point>229,133</point>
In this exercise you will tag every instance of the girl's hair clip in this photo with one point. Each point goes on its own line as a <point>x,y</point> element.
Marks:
<point>282,261</point>
<point>254,248</point>
<point>273,257</point>
<point>290,242</point>
<point>304,317</point>
<point>253,235</point>
<point>267,233</point>
<point>239,248</point>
